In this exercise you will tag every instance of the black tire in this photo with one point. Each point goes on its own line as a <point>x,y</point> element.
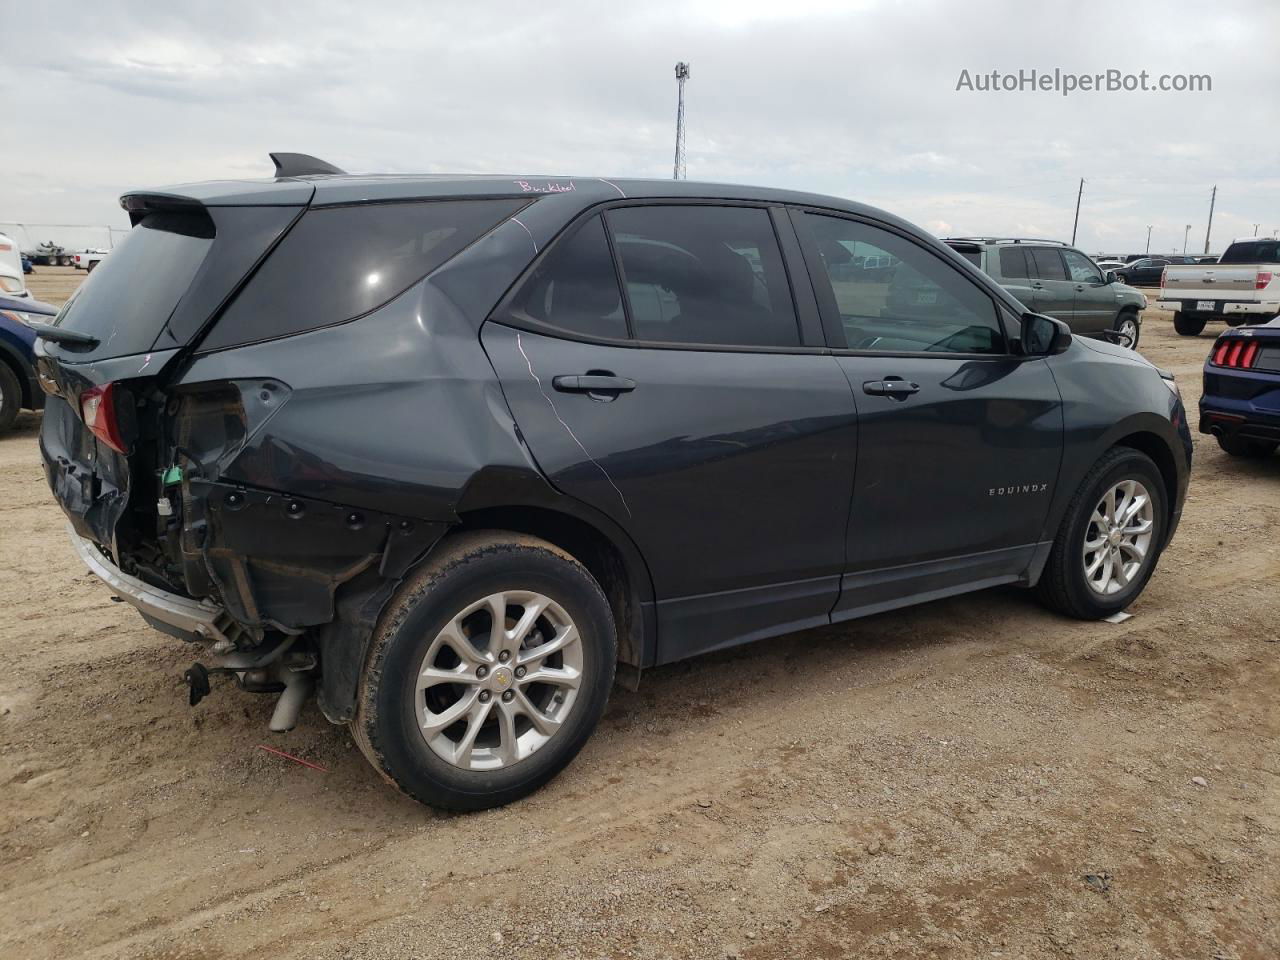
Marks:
<point>1125,315</point>
<point>1236,319</point>
<point>1187,326</point>
<point>10,397</point>
<point>1247,448</point>
<point>471,567</point>
<point>1062,586</point>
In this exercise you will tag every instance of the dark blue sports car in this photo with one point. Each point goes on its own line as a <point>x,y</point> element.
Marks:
<point>18,386</point>
<point>1241,401</point>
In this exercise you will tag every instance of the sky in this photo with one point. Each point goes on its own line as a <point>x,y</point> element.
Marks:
<point>857,99</point>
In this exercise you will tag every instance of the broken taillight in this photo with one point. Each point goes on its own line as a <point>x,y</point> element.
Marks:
<point>98,407</point>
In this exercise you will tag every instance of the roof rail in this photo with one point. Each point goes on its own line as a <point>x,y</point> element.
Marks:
<point>1060,243</point>
<point>302,165</point>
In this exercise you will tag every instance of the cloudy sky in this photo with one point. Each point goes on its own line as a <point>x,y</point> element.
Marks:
<point>857,99</point>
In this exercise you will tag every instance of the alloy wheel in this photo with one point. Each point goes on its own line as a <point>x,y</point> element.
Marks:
<point>499,680</point>
<point>1117,541</point>
<point>1128,331</point>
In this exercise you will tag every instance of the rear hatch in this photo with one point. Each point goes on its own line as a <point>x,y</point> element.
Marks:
<point>120,336</point>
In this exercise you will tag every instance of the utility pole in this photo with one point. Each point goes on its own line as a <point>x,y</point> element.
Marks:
<point>1185,233</point>
<point>1149,226</point>
<point>1079,194</point>
<point>682,74</point>
<point>1255,228</point>
<point>1207,230</point>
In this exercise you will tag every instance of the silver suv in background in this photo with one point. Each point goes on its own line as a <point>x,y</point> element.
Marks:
<point>1052,278</point>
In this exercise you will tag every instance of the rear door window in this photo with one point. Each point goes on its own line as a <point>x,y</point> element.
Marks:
<point>704,274</point>
<point>1048,261</point>
<point>575,288</point>
<point>130,295</point>
<point>339,263</point>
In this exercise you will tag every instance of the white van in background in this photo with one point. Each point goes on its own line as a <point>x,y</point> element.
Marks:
<point>12,283</point>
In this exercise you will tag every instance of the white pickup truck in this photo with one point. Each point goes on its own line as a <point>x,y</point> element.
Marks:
<point>1242,287</point>
<point>88,259</point>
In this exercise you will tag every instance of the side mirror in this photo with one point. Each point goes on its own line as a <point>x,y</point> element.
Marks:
<point>1044,336</point>
<point>1110,277</point>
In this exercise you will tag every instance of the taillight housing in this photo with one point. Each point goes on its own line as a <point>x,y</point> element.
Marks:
<point>1262,280</point>
<point>1235,353</point>
<point>1163,274</point>
<point>101,416</point>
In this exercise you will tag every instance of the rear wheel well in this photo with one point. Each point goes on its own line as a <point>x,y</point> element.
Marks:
<point>588,546</point>
<point>1162,456</point>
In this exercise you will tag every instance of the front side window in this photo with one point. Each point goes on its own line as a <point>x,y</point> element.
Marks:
<point>575,288</point>
<point>894,296</point>
<point>1081,268</point>
<point>704,274</point>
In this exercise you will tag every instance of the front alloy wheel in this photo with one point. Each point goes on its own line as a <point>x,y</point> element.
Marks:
<point>1128,332</point>
<point>1118,539</point>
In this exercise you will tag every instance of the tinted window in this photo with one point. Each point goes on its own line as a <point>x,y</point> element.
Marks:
<point>699,274</point>
<point>1081,267</point>
<point>1253,251</point>
<point>972,254</point>
<point>575,287</point>
<point>129,296</point>
<point>1013,262</point>
<point>341,262</point>
<point>1048,263</point>
<point>895,296</point>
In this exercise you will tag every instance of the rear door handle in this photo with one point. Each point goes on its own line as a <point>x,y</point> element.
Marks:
<point>592,383</point>
<point>1037,285</point>
<point>898,389</point>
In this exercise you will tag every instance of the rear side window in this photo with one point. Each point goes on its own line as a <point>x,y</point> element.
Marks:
<point>1253,251</point>
<point>339,263</point>
<point>704,274</point>
<point>576,287</point>
<point>1013,263</point>
<point>128,298</point>
<point>1048,263</point>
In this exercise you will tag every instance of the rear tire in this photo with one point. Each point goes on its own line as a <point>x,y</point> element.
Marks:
<point>1246,448</point>
<point>1067,585</point>
<point>10,397</point>
<point>420,736</point>
<point>1187,326</point>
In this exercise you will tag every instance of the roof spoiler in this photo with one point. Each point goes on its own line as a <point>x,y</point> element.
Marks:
<point>302,165</point>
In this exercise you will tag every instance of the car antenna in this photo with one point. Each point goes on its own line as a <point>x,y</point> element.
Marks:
<point>302,165</point>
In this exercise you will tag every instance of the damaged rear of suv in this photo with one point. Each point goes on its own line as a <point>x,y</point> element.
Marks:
<point>449,452</point>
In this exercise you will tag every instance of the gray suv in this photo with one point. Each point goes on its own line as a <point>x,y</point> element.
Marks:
<point>1052,278</point>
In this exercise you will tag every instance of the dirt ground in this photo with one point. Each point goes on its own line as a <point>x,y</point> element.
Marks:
<point>939,782</point>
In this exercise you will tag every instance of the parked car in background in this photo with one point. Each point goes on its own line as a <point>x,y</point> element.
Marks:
<point>88,259</point>
<point>1242,287</point>
<point>1146,271</point>
<point>18,386</point>
<point>750,436</point>
<point>1207,259</point>
<point>1106,264</point>
<point>50,254</point>
<point>27,266</point>
<point>1060,281</point>
<point>1240,404</point>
